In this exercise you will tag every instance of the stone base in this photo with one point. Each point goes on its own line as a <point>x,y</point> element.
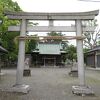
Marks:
<point>18,89</point>
<point>82,90</point>
<point>27,72</point>
<point>1,74</point>
<point>73,73</point>
<point>21,88</point>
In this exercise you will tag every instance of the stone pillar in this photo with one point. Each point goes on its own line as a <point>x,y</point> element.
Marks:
<point>21,54</point>
<point>81,89</point>
<point>51,23</point>
<point>80,57</point>
<point>19,86</point>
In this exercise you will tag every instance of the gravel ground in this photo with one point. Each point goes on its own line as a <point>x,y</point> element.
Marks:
<point>49,84</point>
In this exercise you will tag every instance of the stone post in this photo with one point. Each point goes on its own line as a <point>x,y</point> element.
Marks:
<point>80,57</point>
<point>19,86</point>
<point>50,23</point>
<point>21,54</point>
<point>81,88</point>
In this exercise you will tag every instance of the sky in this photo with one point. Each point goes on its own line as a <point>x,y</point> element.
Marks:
<point>58,6</point>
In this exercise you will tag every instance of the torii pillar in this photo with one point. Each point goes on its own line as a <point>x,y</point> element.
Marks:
<point>82,88</point>
<point>80,57</point>
<point>19,86</point>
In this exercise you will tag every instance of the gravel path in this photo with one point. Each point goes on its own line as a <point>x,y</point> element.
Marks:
<point>49,84</point>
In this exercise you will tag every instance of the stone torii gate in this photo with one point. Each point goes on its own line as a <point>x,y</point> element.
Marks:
<point>78,17</point>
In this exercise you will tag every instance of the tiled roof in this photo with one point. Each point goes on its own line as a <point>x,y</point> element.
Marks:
<point>97,48</point>
<point>49,48</point>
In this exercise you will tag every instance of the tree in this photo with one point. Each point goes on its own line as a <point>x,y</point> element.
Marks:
<point>6,37</point>
<point>71,53</point>
<point>64,43</point>
<point>53,33</point>
<point>99,42</point>
<point>30,45</point>
<point>92,38</point>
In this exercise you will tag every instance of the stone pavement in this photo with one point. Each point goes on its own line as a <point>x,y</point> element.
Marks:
<point>49,84</point>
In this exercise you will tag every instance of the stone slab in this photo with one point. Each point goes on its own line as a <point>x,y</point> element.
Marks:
<point>82,90</point>
<point>21,88</point>
<point>18,89</point>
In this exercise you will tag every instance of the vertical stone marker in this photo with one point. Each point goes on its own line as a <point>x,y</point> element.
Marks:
<point>27,71</point>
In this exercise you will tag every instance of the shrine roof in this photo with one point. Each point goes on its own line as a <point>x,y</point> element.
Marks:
<point>97,48</point>
<point>49,48</point>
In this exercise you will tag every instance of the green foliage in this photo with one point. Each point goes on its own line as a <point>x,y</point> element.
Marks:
<point>30,45</point>
<point>9,5</point>
<point>6,37</point>
<point>55,34</point>
<point>85,50</point>
<point>71,53</point>
<point>98,42</point>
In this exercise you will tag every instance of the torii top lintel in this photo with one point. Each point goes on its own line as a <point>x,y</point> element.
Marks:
<point>52,16</point>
